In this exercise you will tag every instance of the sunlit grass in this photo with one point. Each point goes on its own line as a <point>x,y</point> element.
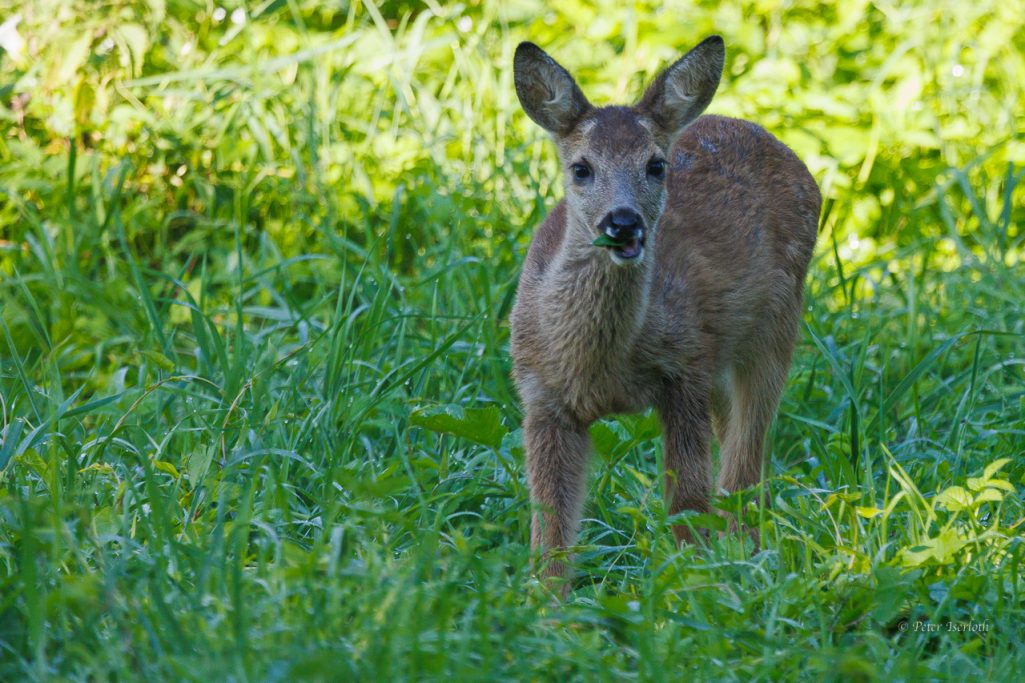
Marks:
<point>255,412</point>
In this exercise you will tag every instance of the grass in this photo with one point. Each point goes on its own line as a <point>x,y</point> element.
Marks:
<point>256,413</point>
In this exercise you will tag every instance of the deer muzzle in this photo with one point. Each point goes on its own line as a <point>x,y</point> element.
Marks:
<point>625,231</point>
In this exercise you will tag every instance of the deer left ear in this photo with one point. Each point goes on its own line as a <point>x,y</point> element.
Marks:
<point>682,91</point>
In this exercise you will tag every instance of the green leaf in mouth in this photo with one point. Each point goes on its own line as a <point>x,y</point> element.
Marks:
<point>604,240</point>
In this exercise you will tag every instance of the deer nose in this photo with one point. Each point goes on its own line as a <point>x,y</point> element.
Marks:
<point>623,224</point>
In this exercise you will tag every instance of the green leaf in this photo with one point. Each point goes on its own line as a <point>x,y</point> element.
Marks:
<point>85,101</point>
<point>135,39</point>
<point>105,522</point>
<point>606,241</point>
<point>994,467</point>
<point>947,544</point>
<point>976,483</point>
<point>989,495</point>
<point>954,499</point>
<point>158,359</point>
<point>198,464</point>
<point>480,425</point>
<point>642,427</point>
<point>74,56</point>
<point>868,512</point>
<point>167,467</point>
<point>942,549</point>
<point>604,440</point>
<point>1001,484</point>
<point>640,477</point>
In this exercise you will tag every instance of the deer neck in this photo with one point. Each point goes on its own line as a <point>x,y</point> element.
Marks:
<point>595,307</point>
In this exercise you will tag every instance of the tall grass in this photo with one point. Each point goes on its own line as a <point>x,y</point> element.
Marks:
<point>257,263</point>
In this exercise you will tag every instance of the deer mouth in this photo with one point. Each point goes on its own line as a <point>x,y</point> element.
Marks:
<point>624,246</point>
<point>631,249</point>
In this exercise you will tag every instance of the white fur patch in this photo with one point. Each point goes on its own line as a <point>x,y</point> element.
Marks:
<point>626,261</point>
<point>587,126</point>
<point>676,95</point>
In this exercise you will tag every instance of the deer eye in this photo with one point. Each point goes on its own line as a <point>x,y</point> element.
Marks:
<point>657,168</point>
<point>581,172</point>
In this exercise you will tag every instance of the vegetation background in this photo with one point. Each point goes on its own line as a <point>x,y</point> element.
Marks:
<point>256,261</point>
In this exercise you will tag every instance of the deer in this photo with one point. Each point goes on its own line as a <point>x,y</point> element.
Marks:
<point>670,276</point>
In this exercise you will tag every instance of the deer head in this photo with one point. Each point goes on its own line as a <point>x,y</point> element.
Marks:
<point>615,157</point>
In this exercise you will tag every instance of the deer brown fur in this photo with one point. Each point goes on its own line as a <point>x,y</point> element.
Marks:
<point>694,311</point>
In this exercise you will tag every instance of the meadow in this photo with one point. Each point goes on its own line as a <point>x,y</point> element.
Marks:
<point>256,420</point>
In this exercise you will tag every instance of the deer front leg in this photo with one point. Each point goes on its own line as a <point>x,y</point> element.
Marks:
<point>556,450</point>
<point>684,410</point>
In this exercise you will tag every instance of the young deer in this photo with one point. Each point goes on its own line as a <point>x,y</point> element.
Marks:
<point>693,307</point>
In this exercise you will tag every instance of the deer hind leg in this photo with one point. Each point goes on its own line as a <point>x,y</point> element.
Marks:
<point>755,391</point>
<point>684,409</point>
<point>556,451</point>
<point>721,408</point>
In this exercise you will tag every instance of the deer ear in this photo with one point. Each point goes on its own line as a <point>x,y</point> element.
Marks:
<point>547,92</point>
<point>681,92</point>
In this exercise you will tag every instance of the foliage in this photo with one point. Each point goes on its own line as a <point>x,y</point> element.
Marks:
<point>256,262</point>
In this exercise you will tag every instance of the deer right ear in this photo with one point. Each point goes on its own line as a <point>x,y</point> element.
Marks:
<point>547,92</point>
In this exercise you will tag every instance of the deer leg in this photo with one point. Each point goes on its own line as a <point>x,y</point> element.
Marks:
<point>720,411</point>
<point>684,410</point>
<point>556,451</point>
<point>755,395</point>
<point>753,404</point>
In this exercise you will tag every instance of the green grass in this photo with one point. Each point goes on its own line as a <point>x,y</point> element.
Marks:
<point>257,422</point>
